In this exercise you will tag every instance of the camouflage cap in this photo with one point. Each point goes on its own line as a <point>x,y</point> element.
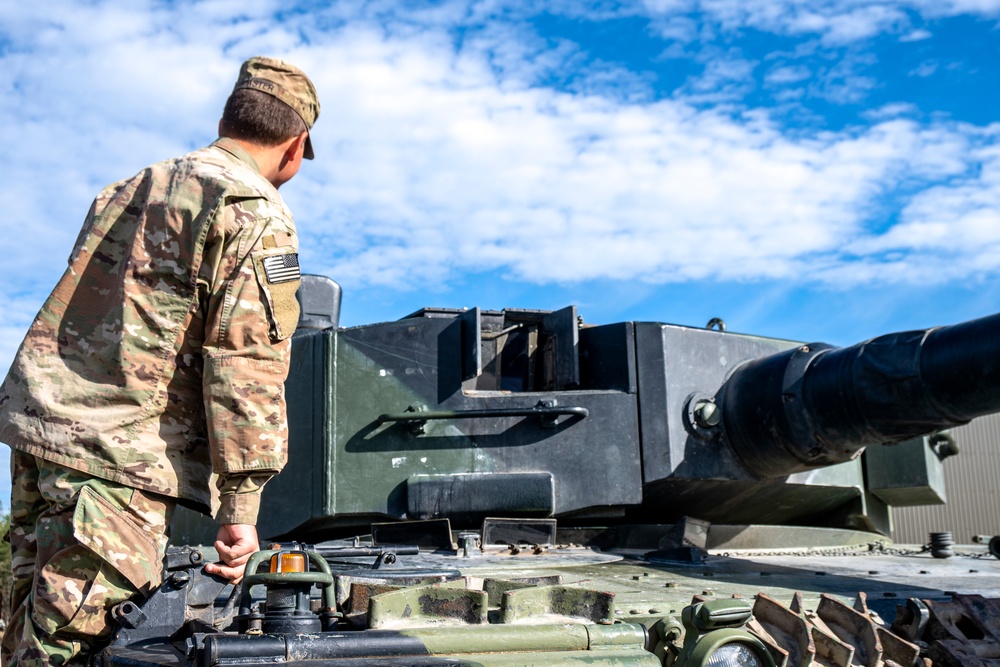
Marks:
<point>287,83</point>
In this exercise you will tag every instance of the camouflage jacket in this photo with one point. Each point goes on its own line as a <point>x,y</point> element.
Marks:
<point>160,356</point>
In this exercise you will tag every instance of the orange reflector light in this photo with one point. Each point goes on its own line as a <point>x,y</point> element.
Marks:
<point>289,563</point>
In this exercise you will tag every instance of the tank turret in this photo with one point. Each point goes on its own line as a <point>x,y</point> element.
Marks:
<point>468,414</point>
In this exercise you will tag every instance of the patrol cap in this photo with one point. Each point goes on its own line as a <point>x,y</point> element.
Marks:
<point>287,83</point>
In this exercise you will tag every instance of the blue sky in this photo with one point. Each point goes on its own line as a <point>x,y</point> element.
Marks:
<point>824,171</point>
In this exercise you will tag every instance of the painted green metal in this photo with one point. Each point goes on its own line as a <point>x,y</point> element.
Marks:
<point>438,603</point>
<point>496,588</point>
<point>566,601</point>
<point>618,658</point>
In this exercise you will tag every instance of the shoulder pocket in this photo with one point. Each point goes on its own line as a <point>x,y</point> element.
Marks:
<point>278,275</point>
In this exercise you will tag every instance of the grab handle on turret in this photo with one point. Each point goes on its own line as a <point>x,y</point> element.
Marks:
<point>547,411</point>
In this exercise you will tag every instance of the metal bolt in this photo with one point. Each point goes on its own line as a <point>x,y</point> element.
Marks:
<point>707,414</point>
<point>468,545</point>
<point>180,579</point>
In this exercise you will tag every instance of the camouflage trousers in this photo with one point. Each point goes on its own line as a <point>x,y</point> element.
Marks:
<point>79,546</point>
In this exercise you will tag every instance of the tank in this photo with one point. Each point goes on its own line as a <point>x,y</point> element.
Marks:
<point>519,487</point>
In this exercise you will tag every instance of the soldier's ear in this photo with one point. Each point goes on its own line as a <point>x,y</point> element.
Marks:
<point>293,149</point>
<point>297,147</point>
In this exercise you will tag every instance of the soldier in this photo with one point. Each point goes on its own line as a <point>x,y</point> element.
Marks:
<point>158,359</point>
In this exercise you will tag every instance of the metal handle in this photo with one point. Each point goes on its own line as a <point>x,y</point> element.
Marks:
<point>548,414</point>
<point>322,577</point>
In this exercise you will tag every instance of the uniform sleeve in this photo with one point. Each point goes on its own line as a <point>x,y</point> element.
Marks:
<point>239,497</point>
<point>247,285</point>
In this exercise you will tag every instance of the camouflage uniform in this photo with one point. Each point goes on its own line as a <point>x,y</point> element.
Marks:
<point>158,359</point>
<point>86,530</point>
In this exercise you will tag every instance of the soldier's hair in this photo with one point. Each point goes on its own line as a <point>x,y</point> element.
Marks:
<point>259,118</point>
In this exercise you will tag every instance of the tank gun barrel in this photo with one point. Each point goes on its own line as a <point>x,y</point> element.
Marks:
<point>816,405</point>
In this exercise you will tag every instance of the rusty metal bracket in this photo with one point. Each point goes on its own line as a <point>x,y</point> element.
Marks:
<point>439,603</point>
<point>582,604</point>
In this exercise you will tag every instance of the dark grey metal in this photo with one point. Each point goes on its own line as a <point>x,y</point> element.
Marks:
<point>729,423</point>
<point>906,474</point>
<point>319,303</point>
<point>941,545</point>
<point>466,497</point>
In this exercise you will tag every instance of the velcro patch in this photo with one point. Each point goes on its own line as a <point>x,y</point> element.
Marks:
<point>282,268</point>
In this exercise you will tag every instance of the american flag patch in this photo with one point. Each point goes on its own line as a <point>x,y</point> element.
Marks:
<point>282,268</point>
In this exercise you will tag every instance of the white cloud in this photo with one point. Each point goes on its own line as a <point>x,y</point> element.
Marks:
<point>924,70</point>
<point>434,160</point>
<point>554,187</point>
<point>725,77</point>
<point>787,74</point>
<point>918,35</point>
<point>958,221</point>
<point>843,82</point>
<point>837,22</point>
<point>894,110</point>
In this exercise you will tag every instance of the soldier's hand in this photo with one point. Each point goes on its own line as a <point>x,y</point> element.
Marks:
<point>235,542</point>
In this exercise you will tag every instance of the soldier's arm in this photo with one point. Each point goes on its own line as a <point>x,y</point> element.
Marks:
<point>250,312</point>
